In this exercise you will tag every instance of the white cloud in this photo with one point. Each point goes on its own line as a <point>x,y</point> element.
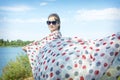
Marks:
<point>17,20</point>
<point>51,0</point>
<point>46,3</point>
<point>43,3</point>
<point>105,14</point>
<point>15,8</point>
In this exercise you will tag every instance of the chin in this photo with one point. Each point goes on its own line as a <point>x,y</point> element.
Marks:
<point>52,30</point>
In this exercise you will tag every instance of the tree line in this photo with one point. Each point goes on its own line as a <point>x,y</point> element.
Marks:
<point>13,43</point>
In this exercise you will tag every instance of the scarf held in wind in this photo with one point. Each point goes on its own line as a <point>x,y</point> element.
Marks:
<point>65,58</point>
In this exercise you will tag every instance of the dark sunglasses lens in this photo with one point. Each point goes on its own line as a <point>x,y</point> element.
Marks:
<point>54,22</point>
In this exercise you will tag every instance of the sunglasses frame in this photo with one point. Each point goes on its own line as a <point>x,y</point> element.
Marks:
<point>53,22</point>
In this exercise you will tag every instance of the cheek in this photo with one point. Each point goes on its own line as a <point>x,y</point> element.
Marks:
<point>56,27</point>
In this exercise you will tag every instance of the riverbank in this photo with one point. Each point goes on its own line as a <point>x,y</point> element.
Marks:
<point>29,78</point>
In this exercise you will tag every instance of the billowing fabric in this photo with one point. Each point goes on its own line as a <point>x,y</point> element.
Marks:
<point>65,58</point>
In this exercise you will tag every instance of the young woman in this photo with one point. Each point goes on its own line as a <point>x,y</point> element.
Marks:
<point>60,58</point>
<point>54,27</point>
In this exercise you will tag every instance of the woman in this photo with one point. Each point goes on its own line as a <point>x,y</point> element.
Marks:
<point>54,27</point>
<point>32,49</point>
<point>58,58</point>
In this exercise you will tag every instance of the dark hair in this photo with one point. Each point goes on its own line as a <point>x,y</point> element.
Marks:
<point>57,18</point>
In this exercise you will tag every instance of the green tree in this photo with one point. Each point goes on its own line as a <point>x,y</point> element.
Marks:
<point>1,42</point>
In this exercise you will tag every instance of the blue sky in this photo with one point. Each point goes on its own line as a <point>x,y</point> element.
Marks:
<point>89,19</point>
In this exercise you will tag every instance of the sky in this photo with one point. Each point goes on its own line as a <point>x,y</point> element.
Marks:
<point>88,19</point>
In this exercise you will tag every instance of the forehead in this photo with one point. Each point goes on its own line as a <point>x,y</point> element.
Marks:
<point>52,18</point>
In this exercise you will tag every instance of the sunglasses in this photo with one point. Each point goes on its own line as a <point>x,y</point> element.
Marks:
<point>53,22</point>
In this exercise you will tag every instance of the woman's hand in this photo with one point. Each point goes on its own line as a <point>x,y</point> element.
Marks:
<point>24,49</point>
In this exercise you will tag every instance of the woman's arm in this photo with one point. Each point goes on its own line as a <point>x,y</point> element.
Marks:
<point>43,41</point>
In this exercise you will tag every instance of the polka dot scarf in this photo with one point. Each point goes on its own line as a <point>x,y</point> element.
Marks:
<point>64,58</point>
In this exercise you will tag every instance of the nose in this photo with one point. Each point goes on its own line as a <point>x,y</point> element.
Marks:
<point>51,24</point>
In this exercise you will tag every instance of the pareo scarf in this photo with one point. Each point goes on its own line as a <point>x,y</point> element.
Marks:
<point>65,58</point>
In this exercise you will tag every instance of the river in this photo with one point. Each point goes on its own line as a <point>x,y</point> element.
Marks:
<point>7,54</point>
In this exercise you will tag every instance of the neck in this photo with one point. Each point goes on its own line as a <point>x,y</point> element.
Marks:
<point>55,31</point>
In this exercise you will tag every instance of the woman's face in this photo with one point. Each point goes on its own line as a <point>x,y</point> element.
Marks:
<point>52,24</point>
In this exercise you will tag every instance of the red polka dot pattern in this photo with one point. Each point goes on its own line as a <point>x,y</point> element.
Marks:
<point>64,58</point>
